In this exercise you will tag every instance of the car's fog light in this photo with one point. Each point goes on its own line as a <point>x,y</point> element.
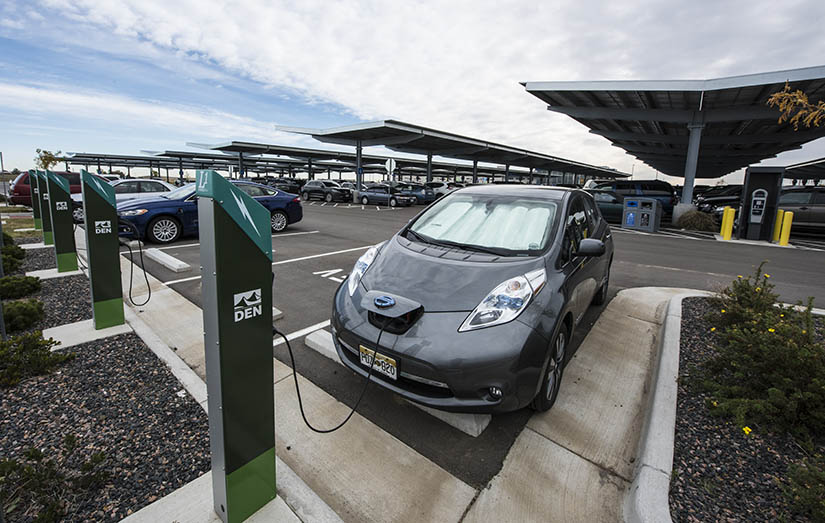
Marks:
<point>495,392</point>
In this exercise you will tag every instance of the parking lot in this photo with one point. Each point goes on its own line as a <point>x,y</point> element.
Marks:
<point>312,258</point>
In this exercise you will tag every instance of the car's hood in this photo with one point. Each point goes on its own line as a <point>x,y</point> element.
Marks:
<point>142,202</point>
<point>441,280</point>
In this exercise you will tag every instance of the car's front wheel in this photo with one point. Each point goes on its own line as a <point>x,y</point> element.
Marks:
<point>164,229</point>
<point>365,200</point>
<point>278,221</point>
<point>552,376</point>
<point>393,202</point>
<point>328,198</point>
<point>305,196</point>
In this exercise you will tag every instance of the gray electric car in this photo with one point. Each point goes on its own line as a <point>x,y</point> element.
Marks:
<point>476,298</point>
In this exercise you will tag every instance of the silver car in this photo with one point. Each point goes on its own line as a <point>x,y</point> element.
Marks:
<point>126,189</point>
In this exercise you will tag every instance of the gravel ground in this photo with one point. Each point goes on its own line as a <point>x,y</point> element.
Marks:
<point>116,397</point>
<point>719,472</point>
<point>28,239</point>
<point>65,300</point>
<point>38,259</point>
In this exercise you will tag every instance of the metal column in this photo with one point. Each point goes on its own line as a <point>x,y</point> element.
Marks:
<point>475,171</point>
<point>507,172</point>
<point>531,176</point>
<point>429,167</point>
<point>359,173</point>
<point>310,174</point>
<point>691,161</point>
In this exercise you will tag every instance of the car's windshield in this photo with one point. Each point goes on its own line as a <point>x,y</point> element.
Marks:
<point>331,184</point>
<point>508,225</point>
<point>181,192</point>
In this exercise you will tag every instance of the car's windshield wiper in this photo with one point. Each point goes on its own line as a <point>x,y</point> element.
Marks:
<point>470,247</point>
<point>421,237</point>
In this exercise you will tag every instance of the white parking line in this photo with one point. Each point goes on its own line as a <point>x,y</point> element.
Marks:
<point>303,332</point>
<point>336,205</point>
<point>274,236</point>
<point>323,204</point>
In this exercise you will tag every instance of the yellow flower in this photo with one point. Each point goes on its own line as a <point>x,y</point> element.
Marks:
<point>781,315</point>
<point>739,276</point>
<point>747,430</point>
<point>723,310</point>
<point>715,404</point>
<point>758,289</point>
<point>770,330</point>
<point>712,329</point>
<point>804,332</point>
<point>767,276</point>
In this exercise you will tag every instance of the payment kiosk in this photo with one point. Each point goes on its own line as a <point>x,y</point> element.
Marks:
<point>760,195</point>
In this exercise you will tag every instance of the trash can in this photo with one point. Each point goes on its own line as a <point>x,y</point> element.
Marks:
<point>641,214</point>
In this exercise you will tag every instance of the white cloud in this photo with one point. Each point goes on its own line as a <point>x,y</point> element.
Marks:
<point>456,65</point>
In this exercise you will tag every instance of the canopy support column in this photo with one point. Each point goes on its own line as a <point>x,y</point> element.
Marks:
<point>531,176</point>
<point>359,172</point>
<point>475,171</point>
<point>429,167</point>
<point>691,161</point>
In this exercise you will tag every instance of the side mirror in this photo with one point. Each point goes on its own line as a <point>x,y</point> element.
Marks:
<point>590,247</point>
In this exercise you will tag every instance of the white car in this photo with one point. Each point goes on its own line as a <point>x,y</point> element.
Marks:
<point>443,188</point>
<point>126,189</point>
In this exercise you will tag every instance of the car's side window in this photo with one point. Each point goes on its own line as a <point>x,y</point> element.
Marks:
<point>819,197</point>
<point>126,187</point>
<point>251,190</point>
<point>152,187</point>
<point>593,216</point>
<point>574,230</point>
<point>795,197</point>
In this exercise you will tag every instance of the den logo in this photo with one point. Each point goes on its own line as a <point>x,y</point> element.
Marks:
<point>103,226</point>
<point>61,206</point>
<point>247,305</point>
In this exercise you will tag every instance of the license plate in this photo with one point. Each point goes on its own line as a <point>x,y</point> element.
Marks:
<point>383,364</point>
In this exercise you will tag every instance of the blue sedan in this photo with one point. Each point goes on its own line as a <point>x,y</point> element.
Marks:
<point>174,214</point>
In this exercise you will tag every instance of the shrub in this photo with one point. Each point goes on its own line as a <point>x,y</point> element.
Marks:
<point>768,368</point>
<point>7,239</point>
<point>697,221</point>
<point>15,251</point>
<point>14,287</point>
<point>28,355</point>
<point>22,314</point>
<point>40,488</point>
<point>806,487</point>
<point>10,264</point>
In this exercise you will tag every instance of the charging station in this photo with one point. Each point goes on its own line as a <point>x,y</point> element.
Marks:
<point>102,251</point>
<point>45,214</point>
<point>34,188</point>
<point>236,259</point>
<point>759,203</point>
<point>62,225</point>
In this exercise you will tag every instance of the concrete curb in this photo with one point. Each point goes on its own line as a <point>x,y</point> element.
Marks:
<point>471,424</point>
<point>167,260</point>
<point>39,245</point>
<point>71,334</point>
<point>48,274</point>
<point>647,499</point>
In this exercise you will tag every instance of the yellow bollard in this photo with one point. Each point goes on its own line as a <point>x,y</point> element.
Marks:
<point>727,222</point>
<point>786,228</point>
<point>777,225</point>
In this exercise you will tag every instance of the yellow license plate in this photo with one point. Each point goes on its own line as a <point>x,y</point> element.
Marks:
<point>383,364</point>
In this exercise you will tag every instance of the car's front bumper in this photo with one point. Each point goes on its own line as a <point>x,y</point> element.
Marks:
<point>442,368</point>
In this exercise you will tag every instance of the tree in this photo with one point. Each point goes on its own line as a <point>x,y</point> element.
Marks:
<point>46,159</point>
<point>15,171</point>
<point>795,108</point>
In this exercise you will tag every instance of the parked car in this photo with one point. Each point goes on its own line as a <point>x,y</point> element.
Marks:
<point>125,189</point>
<point>477,298</point>
<point>715,201</point>
<point>290,185</point>
<point>167,217</point>
<point>352,187</point>
<point>385,195</point>
<point>808,207</point>
<point>20,190</point>
<point>661,190</point>
<point>326,190</point>
<point>443,188</point>
<point>110,177</point>
<point>423,194</point>
<point>610,204</point>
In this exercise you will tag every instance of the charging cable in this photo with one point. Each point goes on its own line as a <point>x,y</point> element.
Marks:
<point>275,332</point>
<point>132,265</point>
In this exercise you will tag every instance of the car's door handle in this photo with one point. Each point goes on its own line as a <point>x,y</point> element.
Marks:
<point>803,208</point>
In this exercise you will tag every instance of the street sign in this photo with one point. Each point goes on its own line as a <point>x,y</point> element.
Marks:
<point>236,259</point>
<point>34,189</point>
<point>59,199</point>
<point>45,215</point>
<point>102,250</point>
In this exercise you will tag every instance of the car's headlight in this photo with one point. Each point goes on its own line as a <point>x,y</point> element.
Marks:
<point>133,212</point>
<point>360,268</point>
<point>506,301</point>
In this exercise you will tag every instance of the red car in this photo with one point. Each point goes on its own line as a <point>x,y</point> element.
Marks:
<point>21,190</point>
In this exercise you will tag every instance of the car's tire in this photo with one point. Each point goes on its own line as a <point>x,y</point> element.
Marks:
<point>77,214</point>
<point>551,380</point>
<point>163,229</point>
<point>393,202</point>
<point>601,294</point>
<point>328,198</point>
<point>278,221</point>
<point>305,196</point>
<point>365,201</point>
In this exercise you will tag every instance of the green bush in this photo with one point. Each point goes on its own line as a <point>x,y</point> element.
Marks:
<point>14,287</point>
<point>10,264</point>
<point>7,239</point>
<point>42,488</point>
<point>28,355</point>
<point>697,221</point>
<point>768,367</point>
<point>806,487</point>
<point>15,251</point>
<point>22,314</point>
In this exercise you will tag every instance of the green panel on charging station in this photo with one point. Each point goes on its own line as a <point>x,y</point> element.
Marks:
<point>34,190</point>
<point>45,214</point>
<point>60,208</point>
<point>102,250</point>
<point>236,259</point>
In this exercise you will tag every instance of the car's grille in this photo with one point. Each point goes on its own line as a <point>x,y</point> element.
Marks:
<point>398,325</point>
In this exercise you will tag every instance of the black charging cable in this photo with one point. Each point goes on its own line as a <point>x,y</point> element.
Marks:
<point>132,265</point>
<point>276,332</point>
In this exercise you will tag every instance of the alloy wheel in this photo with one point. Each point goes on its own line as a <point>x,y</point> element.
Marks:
<point>165,230</point>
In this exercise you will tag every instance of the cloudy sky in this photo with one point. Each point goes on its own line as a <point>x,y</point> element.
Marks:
<point>121,76</point>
